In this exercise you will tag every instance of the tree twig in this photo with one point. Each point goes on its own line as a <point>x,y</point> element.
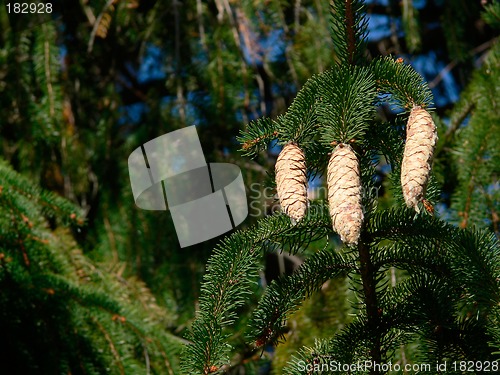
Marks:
<point>367,271</point>
<point>454,63</point>
<point>96,24</point>
<point>351,39</point>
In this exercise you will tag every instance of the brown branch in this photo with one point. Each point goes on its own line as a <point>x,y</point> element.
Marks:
<point>111,238</point>
<point>181,100</point>
<point>471,185</point>
<point>145,339</point>
<point>494,214</point>
<point>455,122</point>
<point>468,203</point>
<point>351,38</point>
<point>48,77</point>
<point>96,24</point>
<point>367,271</point>
<point>112,346</point>
<point>201,26</point>
<point>25,254</point>
<point>448,68</point>
<point>41,201</point>
<point>253,142</point>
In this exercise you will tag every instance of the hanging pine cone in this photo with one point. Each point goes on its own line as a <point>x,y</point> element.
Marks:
<point>291,181</point>
<point>421,137</point>
<point>344,194</point>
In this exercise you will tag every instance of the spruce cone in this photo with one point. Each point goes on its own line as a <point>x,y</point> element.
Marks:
<point>344,194</point>
<point>421,137</point>
<point>291,181</point>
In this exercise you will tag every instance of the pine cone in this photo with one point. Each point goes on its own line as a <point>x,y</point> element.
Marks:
<point>344,194</point>
<point>421,137</point>
<point>291,181</point>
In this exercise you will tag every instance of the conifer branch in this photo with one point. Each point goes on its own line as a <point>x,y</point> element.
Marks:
<point>257,136</point>
<point>51,204</point>
<point>491,15</point>
<point>47,67</point>
<point>114,351</point>
<point>46,109</point>
<point>350,27</point>
<point>458,268</point>
<point>465,212</point>
<point>296,125</point>
<point>368,278</point>
<point>231,272</point>
<point>344,108</point>
<point>254,142</point>
<point>459,255</point>
<point>299,122</point>
<point>97,23</point>
<point>476,146</point>
<point>404,84</point>
<point>347,347</point>
<point>66,290</point>
<point>494,217</point>
<point>285,295</point>
<point>461,110</point>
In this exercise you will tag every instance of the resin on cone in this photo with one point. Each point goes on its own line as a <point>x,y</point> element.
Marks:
<point>421,137</point>
<point>344,194</point>
<point>291,181</point>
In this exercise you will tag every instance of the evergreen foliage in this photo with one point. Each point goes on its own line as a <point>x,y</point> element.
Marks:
<point>345,104</point>
<point>411,27</point>
<point>82,318</point>
<point>348,27</point>
<point>400,84</point>
<point>476,201</point>
<point>91,284</point>
<point>81,88</point>
<point>231,271</point>
<point>456,27</point>
<point>285,295</point>
<point>447,296</point>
